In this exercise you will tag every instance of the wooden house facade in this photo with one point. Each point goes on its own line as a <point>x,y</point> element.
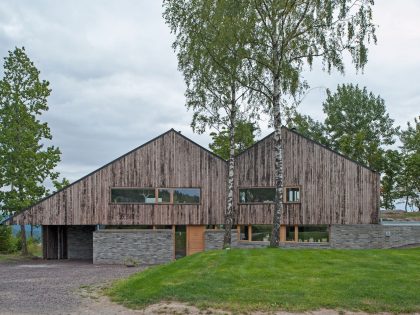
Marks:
<point>174,185</point>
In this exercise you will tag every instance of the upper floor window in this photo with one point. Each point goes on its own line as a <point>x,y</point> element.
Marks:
<point>292,194</point>
<point>156,195</point>
<point>257,195</point>
<point>186,195</point>
<point>133,195</point>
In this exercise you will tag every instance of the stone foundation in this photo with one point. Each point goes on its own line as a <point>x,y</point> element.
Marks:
<point>373,236</point>
<point>143,246</point>
<point>80,241</point>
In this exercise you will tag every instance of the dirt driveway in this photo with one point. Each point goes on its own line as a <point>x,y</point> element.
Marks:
<point>53,287</point>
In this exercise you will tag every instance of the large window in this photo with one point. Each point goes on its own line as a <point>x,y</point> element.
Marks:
<point>257,195</point>
<point>132,195</point>
<point>186,195</point>
<point>156,195</point>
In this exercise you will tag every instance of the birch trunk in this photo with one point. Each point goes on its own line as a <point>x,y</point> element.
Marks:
<point>227,240</point>
<point>278,148</point>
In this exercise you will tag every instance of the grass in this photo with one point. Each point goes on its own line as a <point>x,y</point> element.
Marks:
<point>400,215</point>
<point>11,257</point>
<point>279,279</point>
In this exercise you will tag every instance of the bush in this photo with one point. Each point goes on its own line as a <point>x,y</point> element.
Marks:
<point>7,240</point>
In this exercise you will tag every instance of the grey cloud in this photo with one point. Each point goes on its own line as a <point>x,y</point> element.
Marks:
<point>115,83</point>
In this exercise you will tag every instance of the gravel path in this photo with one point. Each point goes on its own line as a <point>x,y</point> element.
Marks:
<point>53,287</point>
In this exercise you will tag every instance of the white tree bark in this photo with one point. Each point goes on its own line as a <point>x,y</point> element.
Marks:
<point>227,240</point>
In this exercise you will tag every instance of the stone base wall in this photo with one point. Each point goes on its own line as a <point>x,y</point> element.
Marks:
<point>373,236</point>
<point>144,246</point>
<point>80,241</point>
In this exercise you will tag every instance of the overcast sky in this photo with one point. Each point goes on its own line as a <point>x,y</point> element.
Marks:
<point>115,83</point>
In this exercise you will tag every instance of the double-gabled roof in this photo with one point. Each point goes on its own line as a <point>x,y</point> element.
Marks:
<point>187,139</point>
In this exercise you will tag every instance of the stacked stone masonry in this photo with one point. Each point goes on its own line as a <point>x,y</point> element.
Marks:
<point>143,246</point>
<point>79,241</point>
<point>373,236</point>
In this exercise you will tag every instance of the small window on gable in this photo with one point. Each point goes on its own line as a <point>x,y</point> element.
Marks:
<point>292,194</point>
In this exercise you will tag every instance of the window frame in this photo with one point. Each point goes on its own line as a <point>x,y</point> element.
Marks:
<point>285,187</point>
<point>156,195</point>
<point>255,203</point>
<point>249,228</point>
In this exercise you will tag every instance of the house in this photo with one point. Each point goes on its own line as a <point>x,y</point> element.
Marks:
<point>166,199</point>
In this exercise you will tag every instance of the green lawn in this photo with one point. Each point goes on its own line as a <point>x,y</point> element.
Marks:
<point>281,279</point>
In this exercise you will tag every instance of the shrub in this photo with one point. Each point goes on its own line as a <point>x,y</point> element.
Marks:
<point>7,240</point>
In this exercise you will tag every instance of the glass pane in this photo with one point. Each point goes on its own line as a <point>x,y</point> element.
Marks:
<point>132,195</point>
<point>290,233</point>
<point>243,235</point>
<point>314,233</point>
<point>292,194</point>
<point>257,195</point>
<point>187,195</point>
<point>261,233</point>
<point>164,195</point>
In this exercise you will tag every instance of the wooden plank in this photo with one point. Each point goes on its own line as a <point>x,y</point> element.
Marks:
<point>195,239</point>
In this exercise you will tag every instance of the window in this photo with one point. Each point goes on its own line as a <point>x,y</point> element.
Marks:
<point>159,195</point>
<point>257,195</point>
<point>164,195</point>
<point>186,195</point>
<point>314,233</point>
<point>132,195</point>
<point>292,194</point>
<point>255,233</point>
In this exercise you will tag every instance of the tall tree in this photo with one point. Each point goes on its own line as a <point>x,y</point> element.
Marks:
<point>358,125</point>
<point>25,160</point>
<point>409,179</point>
<point>307,126</point>
<point>244,138</point>
<point>284,37</point>
<point>209,56</point>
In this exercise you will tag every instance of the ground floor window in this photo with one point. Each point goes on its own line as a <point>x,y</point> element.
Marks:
<point>313,233</point>
<point>288,233</point>
<point>255,233</point>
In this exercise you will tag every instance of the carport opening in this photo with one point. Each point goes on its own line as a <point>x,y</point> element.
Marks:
<point>68,242</point>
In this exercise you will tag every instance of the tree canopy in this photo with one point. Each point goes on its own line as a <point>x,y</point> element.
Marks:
<point>26,161</point>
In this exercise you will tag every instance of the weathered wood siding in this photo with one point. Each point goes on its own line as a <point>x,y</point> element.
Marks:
<point>171,160</point>
<point>334,189</point>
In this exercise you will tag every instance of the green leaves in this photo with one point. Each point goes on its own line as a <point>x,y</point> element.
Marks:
<point>358,125</point>
<point>244,138</point>
<point>25,160</point>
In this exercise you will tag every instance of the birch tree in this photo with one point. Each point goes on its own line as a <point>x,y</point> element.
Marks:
<point>285,37</point>
<point>25,161</point>
<point>209,56</point>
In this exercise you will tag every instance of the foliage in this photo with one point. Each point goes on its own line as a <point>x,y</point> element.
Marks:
<point>58,185</point>
<point>245,281</point>
<point>409,180</point>
<point>358,125</point>
<point>244,138</point>
<point>310,128</point>
<point>25,161</point>
<point>7,240</point>
<point>392,168</point>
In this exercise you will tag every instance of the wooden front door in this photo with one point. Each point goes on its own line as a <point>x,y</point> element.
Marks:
<point>195,238</point>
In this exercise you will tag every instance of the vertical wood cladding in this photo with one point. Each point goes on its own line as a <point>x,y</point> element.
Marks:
<point>334,189</point>
<point>170,160</point>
